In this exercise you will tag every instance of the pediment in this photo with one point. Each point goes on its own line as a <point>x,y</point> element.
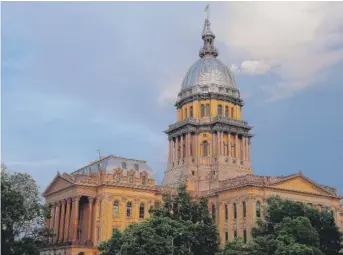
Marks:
<point>59,183</point>
<point>301,184</point>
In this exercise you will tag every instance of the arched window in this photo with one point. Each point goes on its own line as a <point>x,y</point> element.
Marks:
<point>141,211</point>
<point>232,113</point>
<point>226,213</point>
<point>202,110</point>
<point>128,209</point>
<point>226,111</point>
<point>191,112</point>
<point>208,110</point>
<point>258,209</point>
<point>118,177</point>
<point>205,145</point>
<point>116,208</point>
<point>234,211</point>
<point>130,179</point>
<point>186,113</point>
<point>244,209</point>
<point>213,212</point>
<point>220,110</point>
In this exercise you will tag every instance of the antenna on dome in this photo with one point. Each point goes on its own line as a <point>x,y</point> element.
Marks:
<point>98,151</point>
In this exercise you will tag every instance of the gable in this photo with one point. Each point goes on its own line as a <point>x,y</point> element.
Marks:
<point>299,184</point>
<point>57,185</point>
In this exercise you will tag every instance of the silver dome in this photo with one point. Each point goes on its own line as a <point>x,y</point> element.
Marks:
<point>208,71</point>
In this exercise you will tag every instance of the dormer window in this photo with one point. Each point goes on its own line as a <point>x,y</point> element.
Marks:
<point>123,165</point>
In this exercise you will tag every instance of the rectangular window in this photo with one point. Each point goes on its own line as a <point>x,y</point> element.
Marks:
<point>143,180</point>
<point>235,233</point>
<point>244,235</point>
<point>123,165</point>
<point>226,236</point>
<point>136,166</point>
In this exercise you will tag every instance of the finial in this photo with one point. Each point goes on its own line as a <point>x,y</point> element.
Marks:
<point>208,50</point>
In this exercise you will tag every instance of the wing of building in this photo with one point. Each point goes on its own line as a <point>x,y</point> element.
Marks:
<point>209,150</point>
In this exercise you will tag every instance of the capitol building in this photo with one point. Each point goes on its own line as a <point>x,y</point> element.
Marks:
<point>209,151</point>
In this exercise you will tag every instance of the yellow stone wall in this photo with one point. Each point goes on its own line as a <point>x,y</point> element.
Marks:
<point>234,110</point>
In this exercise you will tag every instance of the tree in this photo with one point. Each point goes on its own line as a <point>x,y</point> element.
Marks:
<point>291,227</point>
<point>22,214</point>
<point>179,226</point>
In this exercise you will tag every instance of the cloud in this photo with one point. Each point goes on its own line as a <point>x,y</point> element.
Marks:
<point>169,93</point>
<point>251,67</point>
<point>296,40</point>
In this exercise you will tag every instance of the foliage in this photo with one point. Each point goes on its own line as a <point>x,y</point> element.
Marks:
<point>179,221</point>
<point>22,214</point>
<point>290,228</point>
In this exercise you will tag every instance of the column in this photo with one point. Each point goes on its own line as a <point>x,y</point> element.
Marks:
<point>213,143</point>
<point>236,146</point>
<point>189,145</point>
<point>52,219</point>
<point>60,235</point>
<point>57,217</point>
<point>181,156</point>
<point>75,213</point>
<point>177,148</point>
<point>67,221</point>
<point>90,216</point>
<point>222,143</point>
<point>248,149</point>
<point>228,144</point>
<point>243,149</point>
<point>97,216</point>
<point>218,143</point>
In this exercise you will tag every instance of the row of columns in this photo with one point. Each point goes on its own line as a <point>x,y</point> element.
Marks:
<point>64,220</point>
<point>183,146</point>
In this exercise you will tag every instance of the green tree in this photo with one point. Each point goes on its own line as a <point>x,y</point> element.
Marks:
<point>179,226</point>
<point>291,227</point>
<point>22,215</point>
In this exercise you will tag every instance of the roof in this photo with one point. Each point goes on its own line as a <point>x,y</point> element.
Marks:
<point>107,164</point>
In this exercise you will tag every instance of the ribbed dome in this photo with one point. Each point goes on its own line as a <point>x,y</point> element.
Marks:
<point>208,71</point>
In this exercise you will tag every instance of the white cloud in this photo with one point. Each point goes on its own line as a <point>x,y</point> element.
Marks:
<point>296,40</point>
<point>251,67</point>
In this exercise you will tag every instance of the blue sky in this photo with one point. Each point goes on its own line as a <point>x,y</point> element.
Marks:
<point>78,77</point>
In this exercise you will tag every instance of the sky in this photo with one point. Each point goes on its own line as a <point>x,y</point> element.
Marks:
<point>81,77</point>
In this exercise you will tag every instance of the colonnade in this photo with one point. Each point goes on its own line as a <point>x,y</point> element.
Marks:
<point>189,145</point>
<point>64,220</point>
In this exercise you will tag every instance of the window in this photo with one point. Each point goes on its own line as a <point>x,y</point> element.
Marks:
<point>232,112</point>
<point>244,209</point>
<point>116,208</point>
<point>226,111</point>
<point>186,113</point>
<point>235,233</point>
<point>208,110</point>
<point>130,179</point>
<point>151,209</point>
<point>226,236</point>
<point>136,167</point>
<point>193,173</point>
<point>220,110</point>
<point>245,235</point>
<point>123,165</point>
<point>118,177</point>
<point>205,144</point>
<point>128,209</point>
<point>234,211</point>
<point>141,211</point>
<point>258,209</point>
<point>213,212</point>
<point>143,180</point>
<point>202,110</point>
<point>226,213</point>
<point>191,112</point>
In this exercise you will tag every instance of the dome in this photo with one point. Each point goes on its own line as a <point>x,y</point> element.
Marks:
<point>208,71</point>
